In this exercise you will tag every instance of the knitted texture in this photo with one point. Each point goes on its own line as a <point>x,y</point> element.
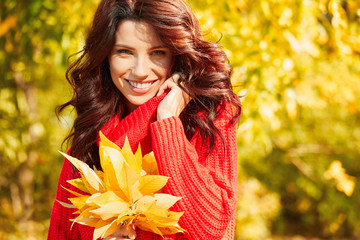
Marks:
<point>207,182</point>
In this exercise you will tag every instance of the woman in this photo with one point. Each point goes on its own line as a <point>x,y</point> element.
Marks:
<point>147,73</point>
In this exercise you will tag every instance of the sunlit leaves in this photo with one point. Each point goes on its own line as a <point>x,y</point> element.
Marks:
<point>345,183</point>
<point>89,178</point>
<point>296,66</point>
<point>124,194</point>
<point>7,24</point>
<point>300,59</point>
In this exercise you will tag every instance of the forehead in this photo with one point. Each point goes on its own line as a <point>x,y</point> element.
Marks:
<point>137,32</point>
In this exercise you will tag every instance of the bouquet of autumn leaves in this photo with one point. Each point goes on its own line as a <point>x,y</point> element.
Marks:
<point>124,193</point>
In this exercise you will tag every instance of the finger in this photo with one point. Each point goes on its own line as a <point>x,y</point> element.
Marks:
<point>116,238</point>
<point>123,233</point>
<point>120,238</point>
<point>185,94</point>
<point>169,83</point>
<point>175,77</point>
<point>187,98</point>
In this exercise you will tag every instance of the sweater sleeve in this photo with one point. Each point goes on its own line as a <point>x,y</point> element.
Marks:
<point>207,183</point>
<point>60,223</point>
<point>61,226</point>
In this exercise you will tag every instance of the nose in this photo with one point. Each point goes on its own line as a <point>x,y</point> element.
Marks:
<point>141,67</point>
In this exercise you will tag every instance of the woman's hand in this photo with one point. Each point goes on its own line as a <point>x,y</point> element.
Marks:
<point>123,234</point>
<point>174,102</point>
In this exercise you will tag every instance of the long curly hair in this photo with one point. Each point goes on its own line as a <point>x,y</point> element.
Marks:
<point>203,67</point>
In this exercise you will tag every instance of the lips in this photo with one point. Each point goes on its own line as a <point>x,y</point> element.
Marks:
<point>140,85</point>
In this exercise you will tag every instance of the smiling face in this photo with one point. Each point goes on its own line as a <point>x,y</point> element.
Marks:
<point>139,62</point>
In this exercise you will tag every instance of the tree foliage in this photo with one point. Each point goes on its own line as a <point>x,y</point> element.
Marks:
<point>36,37</point>
<point>295,66</point>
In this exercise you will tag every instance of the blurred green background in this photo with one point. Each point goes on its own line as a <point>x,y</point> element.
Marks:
<point>296,66</point>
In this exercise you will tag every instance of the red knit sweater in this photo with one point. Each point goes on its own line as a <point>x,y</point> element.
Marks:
<point>207,183</point>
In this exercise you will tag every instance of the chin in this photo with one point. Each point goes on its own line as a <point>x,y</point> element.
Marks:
<point>138,101</point>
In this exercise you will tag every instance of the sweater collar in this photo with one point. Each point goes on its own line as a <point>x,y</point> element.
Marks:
<point>135,126</point>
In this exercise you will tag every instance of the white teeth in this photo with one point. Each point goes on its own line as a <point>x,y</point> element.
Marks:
<point>140,85</point>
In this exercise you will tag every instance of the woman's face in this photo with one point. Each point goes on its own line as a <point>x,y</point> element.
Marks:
<point>139,62</point>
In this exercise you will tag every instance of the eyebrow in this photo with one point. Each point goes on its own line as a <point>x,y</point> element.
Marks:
<point>125,46</point>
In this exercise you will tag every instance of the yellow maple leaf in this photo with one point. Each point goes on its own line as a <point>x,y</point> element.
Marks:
<point>149,164</point>
<point>124,193</point>
<point>90,179</point>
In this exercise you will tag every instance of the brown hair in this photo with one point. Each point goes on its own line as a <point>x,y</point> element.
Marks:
<point>203,66</point>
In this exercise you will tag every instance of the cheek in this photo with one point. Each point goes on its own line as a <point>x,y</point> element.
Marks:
<point>116,74</point>
<point>166,67</point>
<point>117,69</point>
<point>166,73</point>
